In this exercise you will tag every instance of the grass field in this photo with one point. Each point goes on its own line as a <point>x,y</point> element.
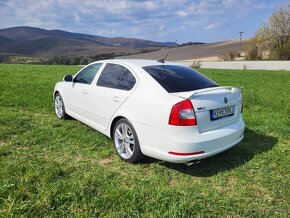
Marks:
<point>50,167</point>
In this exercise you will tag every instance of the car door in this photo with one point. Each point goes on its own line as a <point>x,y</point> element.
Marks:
<point>77,93</point>
<point>113,86</point>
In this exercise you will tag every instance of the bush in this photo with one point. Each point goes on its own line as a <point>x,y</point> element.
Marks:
<point>196,64</point>
<point>229,55</point>
<point>83,61</point>
<point>252,51</point>
<point>245,67</point>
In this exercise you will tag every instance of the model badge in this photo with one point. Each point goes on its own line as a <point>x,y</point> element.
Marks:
<point>226,100</point>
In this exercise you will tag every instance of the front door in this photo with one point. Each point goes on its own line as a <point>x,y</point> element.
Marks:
<point>77,93</point>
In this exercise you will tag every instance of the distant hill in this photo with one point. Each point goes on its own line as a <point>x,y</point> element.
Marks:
<point>205,52</point>
<point>48,43</point>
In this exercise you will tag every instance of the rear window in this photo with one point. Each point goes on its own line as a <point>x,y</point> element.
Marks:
<point>178,78</point>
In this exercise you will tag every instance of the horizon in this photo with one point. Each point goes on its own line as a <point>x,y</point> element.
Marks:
<point>217,20</point>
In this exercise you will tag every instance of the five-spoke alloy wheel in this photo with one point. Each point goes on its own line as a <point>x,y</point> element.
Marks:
<point>59,107</point>
<point>126,141</point>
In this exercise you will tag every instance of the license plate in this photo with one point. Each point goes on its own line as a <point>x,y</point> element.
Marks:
<point>221,112</point>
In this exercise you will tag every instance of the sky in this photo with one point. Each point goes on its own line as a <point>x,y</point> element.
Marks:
<point>159,20</point>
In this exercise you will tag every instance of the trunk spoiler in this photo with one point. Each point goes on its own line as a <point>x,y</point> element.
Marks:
<point>190,94</point>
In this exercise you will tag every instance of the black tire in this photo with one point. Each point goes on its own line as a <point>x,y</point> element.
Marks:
<point>137,154</point>
<point>63,115</point>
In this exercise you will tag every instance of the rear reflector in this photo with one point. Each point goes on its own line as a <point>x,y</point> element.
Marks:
<point>185,154</point>
<point>182,114</point>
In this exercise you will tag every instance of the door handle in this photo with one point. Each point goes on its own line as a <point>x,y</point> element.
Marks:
<point>116,99</point>
<point>85,91</point>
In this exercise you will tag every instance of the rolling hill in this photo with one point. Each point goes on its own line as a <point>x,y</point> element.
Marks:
<point>48,43</point>
<point>37,42</point>
<point>205,52</point>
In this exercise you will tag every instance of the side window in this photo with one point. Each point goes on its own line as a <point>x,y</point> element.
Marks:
<point>117,77</point>
<point>88,74</point>
<point>127,81</point>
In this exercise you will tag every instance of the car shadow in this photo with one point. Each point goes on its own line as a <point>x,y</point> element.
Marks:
<point>253,144</point>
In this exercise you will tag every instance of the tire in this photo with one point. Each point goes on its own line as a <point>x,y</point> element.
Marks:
<point>59,107</point>
<point>126,141</point>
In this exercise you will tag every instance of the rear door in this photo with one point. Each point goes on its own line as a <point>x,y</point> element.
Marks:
<point>113,86</point>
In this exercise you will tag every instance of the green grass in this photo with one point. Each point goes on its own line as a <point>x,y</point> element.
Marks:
<point>50,167</point>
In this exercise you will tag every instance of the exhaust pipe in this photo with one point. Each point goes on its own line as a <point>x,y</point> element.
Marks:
<point>192,162</point>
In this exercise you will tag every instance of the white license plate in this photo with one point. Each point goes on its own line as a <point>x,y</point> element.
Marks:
<point>221,112</point>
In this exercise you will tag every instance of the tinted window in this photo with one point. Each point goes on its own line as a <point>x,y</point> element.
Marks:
<point>179,78</point>
<point>88,74</point>
<point>127,81</point>
<point>116,76</point>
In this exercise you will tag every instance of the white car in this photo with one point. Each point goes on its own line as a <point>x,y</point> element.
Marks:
<point>167,111</point>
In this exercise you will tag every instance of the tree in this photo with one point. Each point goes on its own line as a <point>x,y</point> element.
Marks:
<point>274,36</point>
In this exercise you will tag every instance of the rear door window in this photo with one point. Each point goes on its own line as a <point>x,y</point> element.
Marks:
<point>117,77</point>
<point>174,78</point>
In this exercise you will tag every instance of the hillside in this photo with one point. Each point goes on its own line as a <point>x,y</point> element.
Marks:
<point>37,42</point>
<point>49,43</point>
<point>209,51</point>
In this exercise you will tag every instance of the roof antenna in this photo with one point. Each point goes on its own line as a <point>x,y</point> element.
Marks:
<point>162,60</point>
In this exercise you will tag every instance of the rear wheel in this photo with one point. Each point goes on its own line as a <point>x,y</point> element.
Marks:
<point>126,141</point>
<point>59,107</point>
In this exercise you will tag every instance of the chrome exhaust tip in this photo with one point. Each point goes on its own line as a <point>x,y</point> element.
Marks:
<point>192,162</point>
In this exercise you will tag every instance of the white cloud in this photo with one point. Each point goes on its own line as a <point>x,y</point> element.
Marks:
<point>150,5</point>
<point>209,27</point>
<point>181,13</point>
<point>76,17</point>
<point>142,18</point>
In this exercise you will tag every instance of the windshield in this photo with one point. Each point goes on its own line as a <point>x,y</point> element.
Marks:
<point>174,78</point>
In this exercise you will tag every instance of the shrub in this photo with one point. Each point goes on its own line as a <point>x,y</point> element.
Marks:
<point>229,55</point>
<point>245,67</point>
<point>196,64</point>
<point>252,51</point>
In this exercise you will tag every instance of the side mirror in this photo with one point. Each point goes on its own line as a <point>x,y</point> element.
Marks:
<point>68,78</point>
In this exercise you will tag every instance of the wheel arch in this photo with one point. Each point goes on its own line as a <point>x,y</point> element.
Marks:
<point>55,92</point>
<point>114,121</point>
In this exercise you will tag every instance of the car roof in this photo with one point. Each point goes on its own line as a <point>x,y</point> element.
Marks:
<point>138,62</point>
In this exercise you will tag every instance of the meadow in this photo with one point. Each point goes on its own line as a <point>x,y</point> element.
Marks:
<point>51,167</point>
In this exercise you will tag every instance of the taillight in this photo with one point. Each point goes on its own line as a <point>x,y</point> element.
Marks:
<point>182,114</point>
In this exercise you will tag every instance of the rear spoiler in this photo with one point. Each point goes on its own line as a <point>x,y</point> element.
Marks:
<point>233,89</point>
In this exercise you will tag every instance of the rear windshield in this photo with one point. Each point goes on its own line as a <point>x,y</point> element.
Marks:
<point>178,78</point>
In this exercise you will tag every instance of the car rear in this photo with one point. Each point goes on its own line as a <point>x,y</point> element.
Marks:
<point>205,120</point>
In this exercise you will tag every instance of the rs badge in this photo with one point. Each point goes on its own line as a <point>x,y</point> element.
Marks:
<point>226,100</point>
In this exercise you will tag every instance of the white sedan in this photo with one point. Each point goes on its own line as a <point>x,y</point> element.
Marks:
<point>162,110</point>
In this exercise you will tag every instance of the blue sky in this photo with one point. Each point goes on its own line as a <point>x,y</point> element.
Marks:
<point>159,20</point>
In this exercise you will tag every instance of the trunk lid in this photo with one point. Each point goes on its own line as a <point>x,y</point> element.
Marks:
<point>205,101</point>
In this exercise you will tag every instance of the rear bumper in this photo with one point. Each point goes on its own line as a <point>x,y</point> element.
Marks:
<point>184,146</point>
<point>208,153</point>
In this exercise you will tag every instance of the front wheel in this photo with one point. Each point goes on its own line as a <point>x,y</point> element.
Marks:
<point>126,141</point>
<point>59,107</point>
